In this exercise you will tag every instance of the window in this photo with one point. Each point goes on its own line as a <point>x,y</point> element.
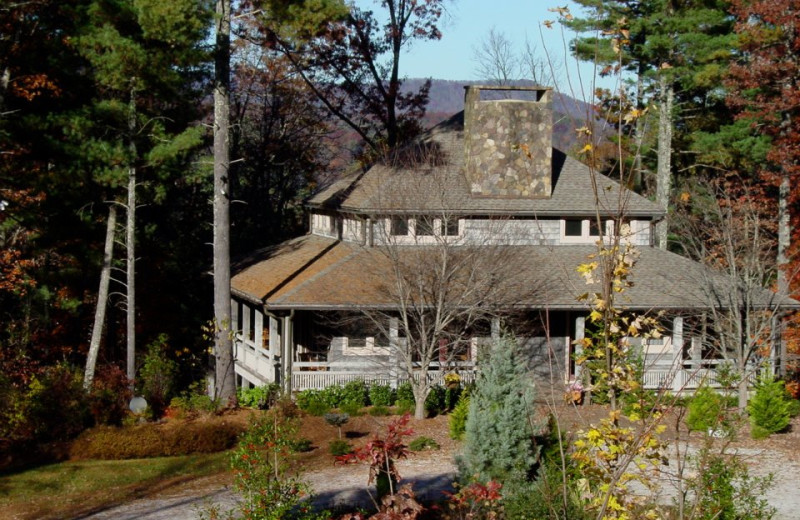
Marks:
<point>424,226</point>
<point>332,222</point>
<point>450,227</point>
<point>582,230</point>
<point>594,228</point>
<point>573,228</point>
<point>399,226</point>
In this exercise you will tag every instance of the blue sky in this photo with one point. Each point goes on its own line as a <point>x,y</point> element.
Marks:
<point>468,23</point>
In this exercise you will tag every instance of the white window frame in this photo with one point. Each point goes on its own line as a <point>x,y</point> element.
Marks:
<point>585,237</point>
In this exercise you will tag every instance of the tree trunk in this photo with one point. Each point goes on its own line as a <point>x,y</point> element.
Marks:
<point>102,299</point>
<point>130,244</point>
<point>224,380</point>
<point>419,407</point>
<point>664,169</point>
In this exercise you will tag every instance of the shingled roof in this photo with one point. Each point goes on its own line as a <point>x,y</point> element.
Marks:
<point>436,181</point>
<point>313,272</point>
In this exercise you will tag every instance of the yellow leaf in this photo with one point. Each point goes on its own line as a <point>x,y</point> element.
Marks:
<point>587,148</point>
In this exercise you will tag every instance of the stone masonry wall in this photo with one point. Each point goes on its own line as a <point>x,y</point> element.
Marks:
<point>508,146</point>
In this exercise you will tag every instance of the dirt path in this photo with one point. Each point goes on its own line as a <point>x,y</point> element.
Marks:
<point>334,486</point>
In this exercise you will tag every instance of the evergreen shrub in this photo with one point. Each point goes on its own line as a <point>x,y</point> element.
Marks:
<point>706,410</point>
<point>499,439</point>
<point>156,379</point>
<point>339,447</point>
<point>769,408</point>
<point>354,393</point>
<point>435,402</point>
<point>381,395</point>
<point>423,443</point>
<point>379,411</point>
<point>458,418</point>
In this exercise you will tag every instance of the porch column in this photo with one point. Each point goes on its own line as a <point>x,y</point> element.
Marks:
<point>580,333</point>
<point>259,326</point>
<point>495,329</point>
<point>246,322</point>
<point>274,349</point>
<point>288,347</point>
<point>394,356</point>
<point>677,354</point>
<point>234,315</point>
<point>777,347</point>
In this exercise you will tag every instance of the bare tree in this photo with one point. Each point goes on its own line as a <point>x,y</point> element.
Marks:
<point>102,299</point>
<point>729,231</point>
<point>224,380</point>
<point>495,59</point>
<point>445,286</point>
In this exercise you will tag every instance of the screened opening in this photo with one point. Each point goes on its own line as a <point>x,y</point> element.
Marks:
<point>572,228</point>
<point>399,226</point>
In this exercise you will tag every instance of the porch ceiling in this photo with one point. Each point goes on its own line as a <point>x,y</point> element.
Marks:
<point>313,272</point>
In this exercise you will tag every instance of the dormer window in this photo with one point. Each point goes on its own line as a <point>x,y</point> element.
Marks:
<point>399,226</point>
<point>423,227</point>
<point>449,227</point>
<point>580,230</point>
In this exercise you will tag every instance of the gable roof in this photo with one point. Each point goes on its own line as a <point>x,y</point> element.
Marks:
<point>313,272</point>
<point>437,182</point>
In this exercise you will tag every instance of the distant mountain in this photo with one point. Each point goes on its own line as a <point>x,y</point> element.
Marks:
<point>447,98</point>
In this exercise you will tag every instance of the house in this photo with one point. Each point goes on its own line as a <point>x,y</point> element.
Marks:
<point>489,181</point>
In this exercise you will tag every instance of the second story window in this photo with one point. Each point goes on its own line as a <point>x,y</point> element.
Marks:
<point>399,226</point>
<point>450,227</point>
<point>424,227</point>
<point>581,230</point>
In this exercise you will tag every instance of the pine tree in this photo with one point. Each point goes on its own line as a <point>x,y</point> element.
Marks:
<point>499,434</point>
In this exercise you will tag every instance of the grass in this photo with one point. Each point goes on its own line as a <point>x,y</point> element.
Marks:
<point>85,486</point>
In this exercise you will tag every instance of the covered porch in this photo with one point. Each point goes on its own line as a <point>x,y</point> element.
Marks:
<point>302,350</point>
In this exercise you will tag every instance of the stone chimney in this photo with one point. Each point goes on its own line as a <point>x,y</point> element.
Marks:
<point>508,142</point>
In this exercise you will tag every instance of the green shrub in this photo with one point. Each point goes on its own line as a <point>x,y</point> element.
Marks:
<point>724,489</point>
<point>451,395</point>
<point>381,395</point>
<point>260,397</point>
<point>405,393</point>
<point>339,447</point>
<point>355,393</point>
<point>318,408</point>
<point>404,407</point>
<point>434,403</point>
<point>263,472</point>
<point>333,395</point>
<point>352,409</point>
<point>193,402</point>
<point>423,443</point>
<point>156,380</point>
<point>156,440</point>
<point>458,418</point>
<point>301,445</point>
<point>314,402</point>
<point>379,411</point>
<point>769,407</point>
<point>706,410</point>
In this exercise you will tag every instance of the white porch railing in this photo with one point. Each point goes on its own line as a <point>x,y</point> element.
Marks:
<point>318,375</point>
<point>685,379</point>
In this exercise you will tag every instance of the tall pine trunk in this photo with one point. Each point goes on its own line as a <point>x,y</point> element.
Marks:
<point>130,244</point>
<point>224,378</point>
<point>102,299</point>
<point>664,169</point>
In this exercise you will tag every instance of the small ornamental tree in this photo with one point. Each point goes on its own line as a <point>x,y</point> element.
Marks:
<point>499,437</point>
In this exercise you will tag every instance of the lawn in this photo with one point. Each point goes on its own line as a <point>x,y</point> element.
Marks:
<point>80,487</point>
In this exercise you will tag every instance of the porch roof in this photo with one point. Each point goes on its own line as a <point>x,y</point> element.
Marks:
<point>312,272</point>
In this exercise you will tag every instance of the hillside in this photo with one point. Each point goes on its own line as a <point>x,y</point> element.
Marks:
<point>447,98</point>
